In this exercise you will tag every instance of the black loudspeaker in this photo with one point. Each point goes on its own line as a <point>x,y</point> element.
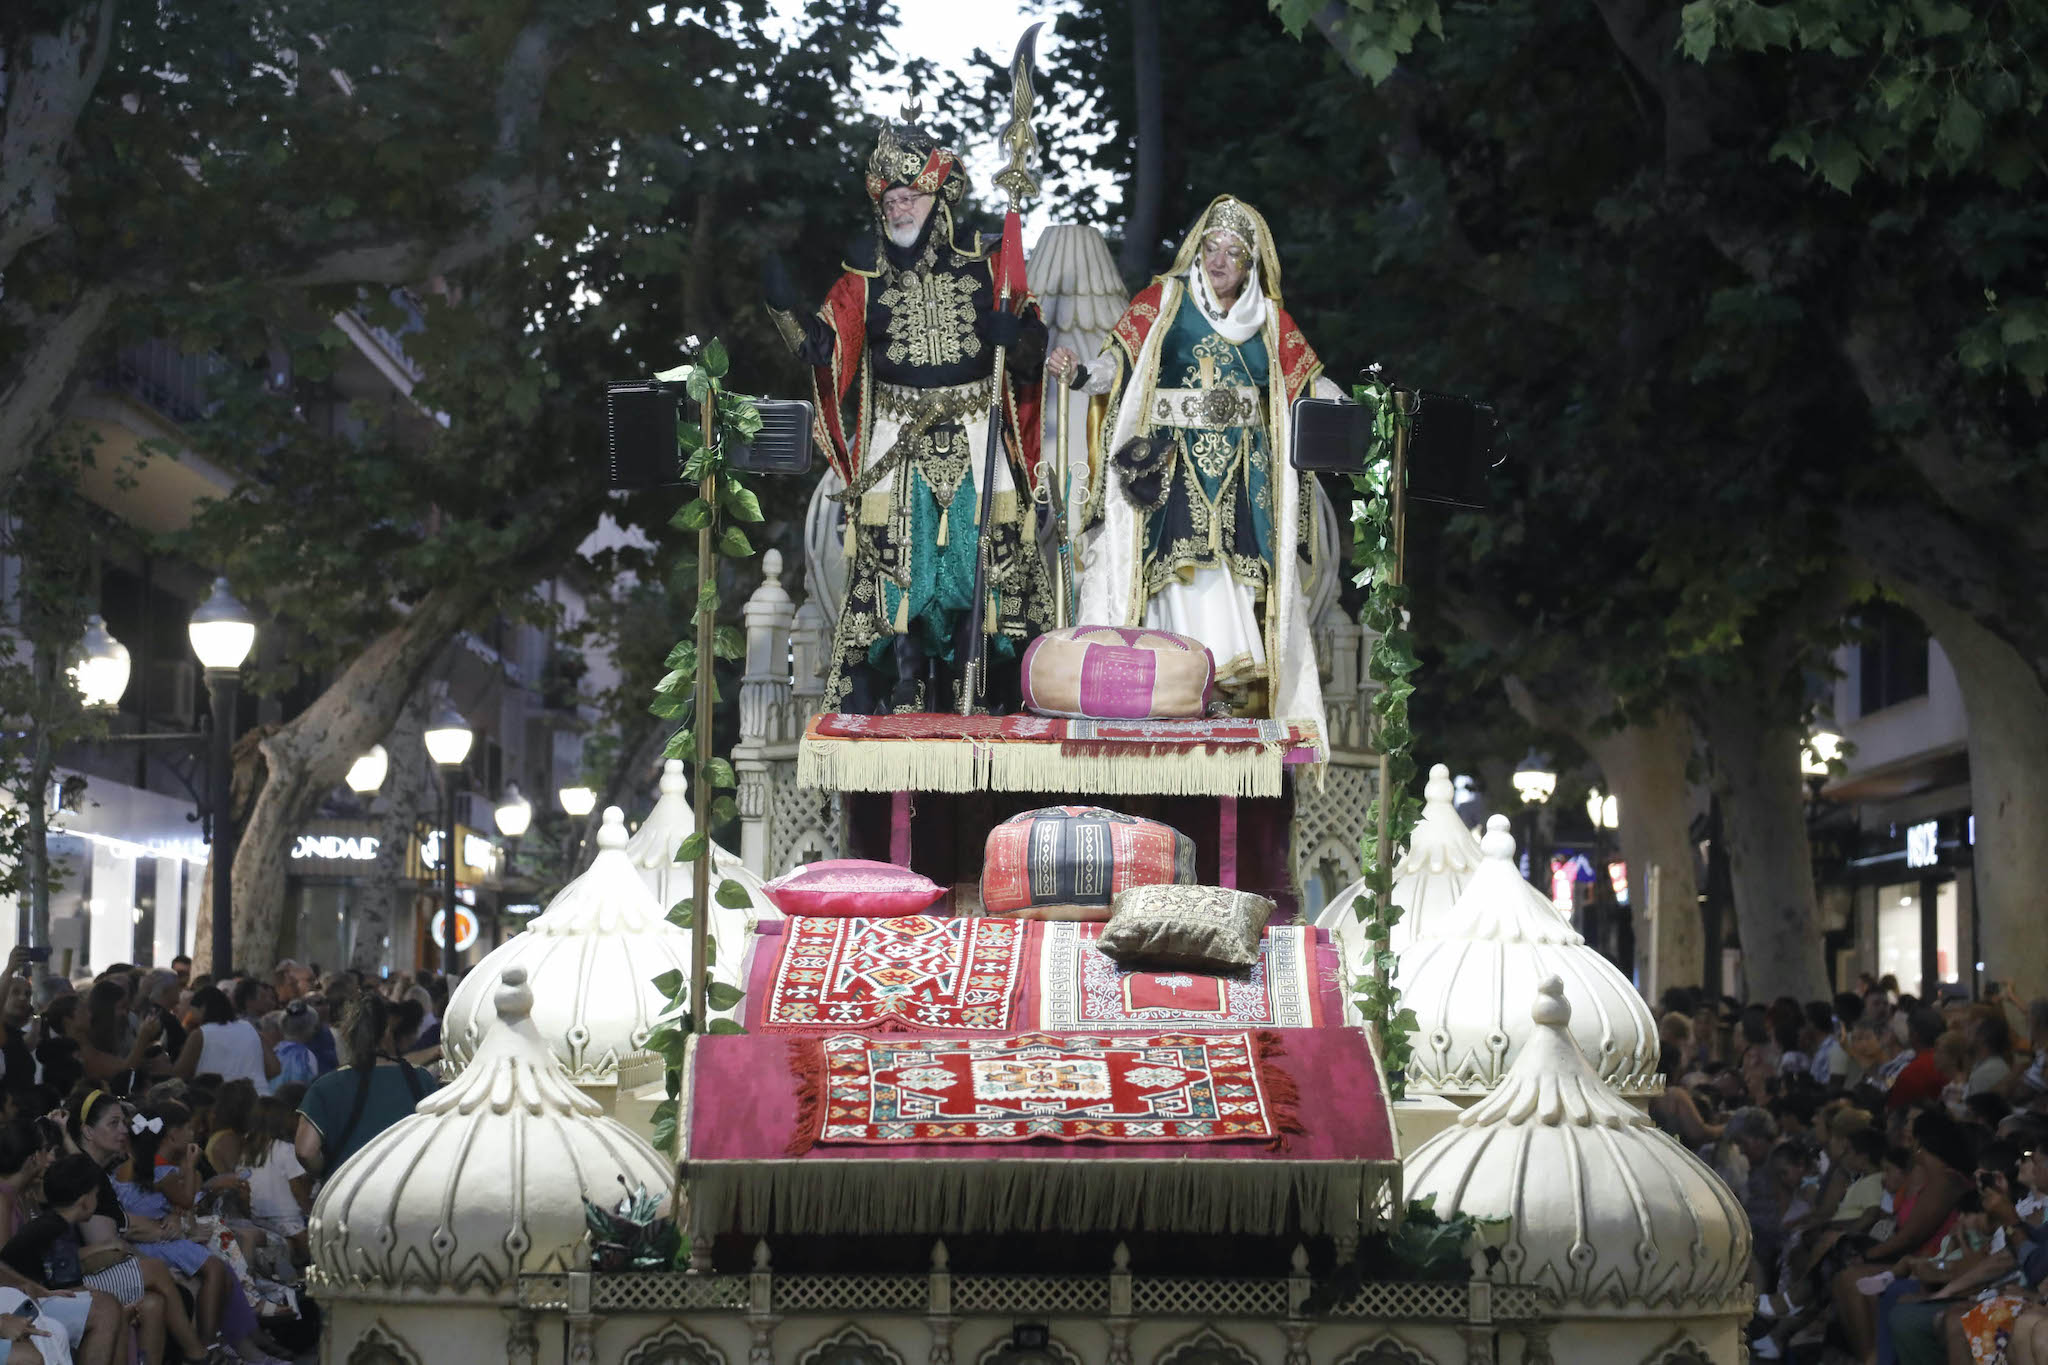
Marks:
<point>1450,444</point>
<point>783,444</point>
<point>640,435</point>
<point>1329,436</point>
<point>1450,448</point>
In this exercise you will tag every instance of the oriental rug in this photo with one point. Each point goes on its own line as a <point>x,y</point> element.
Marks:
<point>913,972</point>
<point>930,752</point>
<point>1073,1088</point>
<point>1082,988</point>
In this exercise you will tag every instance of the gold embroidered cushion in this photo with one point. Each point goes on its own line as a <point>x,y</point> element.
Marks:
<point>1199,927</point>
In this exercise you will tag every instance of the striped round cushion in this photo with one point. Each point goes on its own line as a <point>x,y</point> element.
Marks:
<point>1069,862</point>
<point>1117,673</point>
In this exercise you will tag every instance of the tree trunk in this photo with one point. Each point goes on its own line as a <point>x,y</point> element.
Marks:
<point>1644,768</point>
<point>309,754</point>
<point>408,789</point>
<point>1755,766</point>
<point>37,380</point>
<point>2008,718</point>
<point>1148,178</point>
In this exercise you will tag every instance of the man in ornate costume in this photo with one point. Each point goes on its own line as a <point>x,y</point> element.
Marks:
<point>1196,525</point>
<point>902,355</point>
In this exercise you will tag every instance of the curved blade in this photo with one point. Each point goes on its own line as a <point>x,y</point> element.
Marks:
<point>1019,179</point>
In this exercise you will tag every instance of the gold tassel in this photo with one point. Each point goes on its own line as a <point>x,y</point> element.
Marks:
<point>945,520</point>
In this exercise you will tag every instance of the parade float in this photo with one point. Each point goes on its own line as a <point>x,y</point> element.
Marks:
<point>1037,1033</point>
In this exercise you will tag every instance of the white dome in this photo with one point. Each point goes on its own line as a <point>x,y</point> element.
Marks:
<point>653,851</point>
<point>592,957</point>
<point>1603,1209</point>
<point>485,1180</point>
<point>1469,977</point>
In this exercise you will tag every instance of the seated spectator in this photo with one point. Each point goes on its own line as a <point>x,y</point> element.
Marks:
<point>345,1109</point>
<point>1990,1053</point>
<point>1834,1067</point>
<point>1676,1111</point>
<point>1915,1075</point>
<point>1925,1212</point>
<point>296,1024</point>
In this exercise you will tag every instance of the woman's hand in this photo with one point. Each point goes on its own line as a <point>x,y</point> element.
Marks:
<point>14,1328</point>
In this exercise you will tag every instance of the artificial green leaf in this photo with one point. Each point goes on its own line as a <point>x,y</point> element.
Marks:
<point>700,385</point>
<point>681,744</point>
<point>733,895</point>
<point>694,516</point>
<point>724,1026</point>
<point>729,642</point>
<point>722,995</point>
<point>734,543</point>
<point>724,808</point>
<point>693,848</point>
<point>715,359</point>
<point>740,502</point>
<point>668,983</point>
<point>683,914</point>
<point>720,773</point>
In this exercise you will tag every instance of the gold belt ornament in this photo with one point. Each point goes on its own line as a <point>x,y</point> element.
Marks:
<point>1221,406</point>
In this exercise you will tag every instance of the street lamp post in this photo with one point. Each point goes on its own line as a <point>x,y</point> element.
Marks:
<point>222,635</point>
<point>514,816</point>
<point>1535,780</point>
<point>448,741</point>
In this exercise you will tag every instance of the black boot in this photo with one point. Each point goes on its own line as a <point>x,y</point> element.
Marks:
<point>909,673</point>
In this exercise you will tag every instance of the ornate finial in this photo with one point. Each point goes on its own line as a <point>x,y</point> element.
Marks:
<point>771,566</point>
<point>672,781</point>
<point>912,112</point>
<point>1018,180</point>
<point>514,997</point>
<point>1497,842</point>
<point>612,833</point>
<point>761,1254</point>
<point>1300,1259</point>
<point>941,1258</point>
<point>1551,1008</point>
<point>1120,1261</point>
<point>1439,787</point>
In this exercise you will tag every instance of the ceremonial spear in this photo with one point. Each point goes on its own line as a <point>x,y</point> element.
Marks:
<point>1018,182</point>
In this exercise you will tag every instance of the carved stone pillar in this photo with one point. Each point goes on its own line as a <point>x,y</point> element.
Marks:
<point>522,1343</point>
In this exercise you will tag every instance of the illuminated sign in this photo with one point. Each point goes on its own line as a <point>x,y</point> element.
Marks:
<point>479,855</point>
<point>337,847</point>
<point>1923,844</point>
<point>465,928</point>
<point>1617,874</point>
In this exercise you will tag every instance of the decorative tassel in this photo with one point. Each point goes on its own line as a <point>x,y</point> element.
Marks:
<point>1283,1097</point>
<point>807,1066</point>
<point>945,524</point>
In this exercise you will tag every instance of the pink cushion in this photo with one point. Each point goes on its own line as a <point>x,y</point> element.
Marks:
<point>1117,673</point>
<point>852,886</point>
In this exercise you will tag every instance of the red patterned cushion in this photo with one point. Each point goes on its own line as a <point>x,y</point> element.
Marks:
<point>1116,673</point>
<point>852,886</point>
<point>1069,862</point>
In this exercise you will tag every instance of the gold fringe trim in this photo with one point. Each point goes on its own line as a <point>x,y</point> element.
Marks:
<point>960,765</point>
<point>1019,1194</point>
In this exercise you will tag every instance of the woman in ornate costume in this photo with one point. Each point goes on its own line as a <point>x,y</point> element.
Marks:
<point>1195,524</point>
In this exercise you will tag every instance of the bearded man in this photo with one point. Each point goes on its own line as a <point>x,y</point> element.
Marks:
<point>1194,524</point>
<point>902,355</point>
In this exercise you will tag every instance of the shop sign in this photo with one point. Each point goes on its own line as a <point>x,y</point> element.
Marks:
<point>339,848</point>
<point>1923,844</point>
<point>465,928</point>
<point>478,863</point>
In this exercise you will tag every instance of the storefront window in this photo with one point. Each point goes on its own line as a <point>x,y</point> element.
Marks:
<point>1898,935</point>
<point>1902,915</point>
<point>1947,952</point>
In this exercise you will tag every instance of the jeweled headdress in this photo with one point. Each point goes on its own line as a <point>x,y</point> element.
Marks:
<point>907,155</point>
<point>1228,215</point>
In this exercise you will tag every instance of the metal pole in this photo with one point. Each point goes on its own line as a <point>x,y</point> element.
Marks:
<point>700,717</point>
<point>222,685</point>
<point>1398,516</point>
<point>446,954</point>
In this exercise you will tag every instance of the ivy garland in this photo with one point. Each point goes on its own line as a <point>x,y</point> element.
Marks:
<point>704,463</point>
<point>1376,551</point>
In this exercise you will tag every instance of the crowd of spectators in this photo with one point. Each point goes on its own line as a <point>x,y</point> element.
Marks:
<point>1892,1156</point>
<point>162,1135</point>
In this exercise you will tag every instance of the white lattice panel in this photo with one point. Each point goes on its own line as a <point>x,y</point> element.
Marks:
<point>1191,1298</point>
<point>865,1293</point>
<point>667,1292</point>
<point>1407,1300</point>
<point>801,822</point>
<point>1051,1296</point>
<point>1328,823</point>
